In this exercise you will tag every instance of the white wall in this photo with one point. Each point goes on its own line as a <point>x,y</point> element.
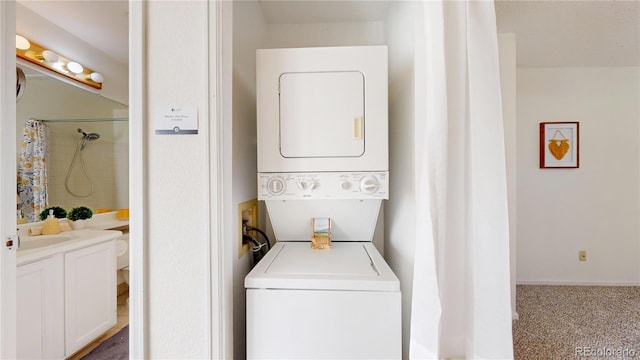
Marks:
<point>249,34</point>
<point>178,213</point>
<point>326,34</point>
<point>593,208</point>
<point>400,235</point>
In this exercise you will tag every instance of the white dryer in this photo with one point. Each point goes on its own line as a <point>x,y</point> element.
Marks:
<point>322,109</point>
<point>322,153</point>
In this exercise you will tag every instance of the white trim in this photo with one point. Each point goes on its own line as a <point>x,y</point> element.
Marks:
<point>577,283</point>
<point>210,313</point>
<point>220,17</point>
<point>137,180</point>
<point>220,31</point>
<point>8,341</point>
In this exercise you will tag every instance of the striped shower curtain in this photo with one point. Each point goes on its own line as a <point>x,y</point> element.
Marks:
<point>32,170</point>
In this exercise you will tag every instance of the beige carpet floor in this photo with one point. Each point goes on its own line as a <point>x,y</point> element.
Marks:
<point>577,322</point>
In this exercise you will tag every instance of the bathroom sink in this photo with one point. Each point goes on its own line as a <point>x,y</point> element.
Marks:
<point>33,248</point>
<point>34,242</point>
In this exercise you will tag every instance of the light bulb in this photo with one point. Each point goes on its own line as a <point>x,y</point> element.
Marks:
<point>97,77</point>
<point>74,67</point>
<point>50,56</point>
<point>22,43</point>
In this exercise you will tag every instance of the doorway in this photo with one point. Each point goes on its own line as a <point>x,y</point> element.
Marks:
<point>7,180</point>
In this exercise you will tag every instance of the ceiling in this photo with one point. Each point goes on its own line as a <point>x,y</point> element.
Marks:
<point>573,33</point>
<point>548,33</point>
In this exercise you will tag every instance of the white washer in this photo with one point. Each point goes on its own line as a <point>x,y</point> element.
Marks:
<point>338,303</point>
<point>323,153</point>
<point>342,303</point>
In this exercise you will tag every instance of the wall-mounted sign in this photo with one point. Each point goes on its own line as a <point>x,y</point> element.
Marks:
<point>177,120</point>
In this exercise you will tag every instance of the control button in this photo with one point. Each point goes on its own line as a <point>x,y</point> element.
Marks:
<point>302,185</point>
<point>345,185</point>
<point>276,185</point>
<point>313,185</point>
<point>369,185</point>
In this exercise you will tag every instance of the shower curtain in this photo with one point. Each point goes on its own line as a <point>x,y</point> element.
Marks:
<point>32,170</point>
<point>461,286</point>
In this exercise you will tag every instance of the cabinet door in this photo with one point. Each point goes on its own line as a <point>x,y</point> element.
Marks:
<point>90,290</point>
<point>40,309</point>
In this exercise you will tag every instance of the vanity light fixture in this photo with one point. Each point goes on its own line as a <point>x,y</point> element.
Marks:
<point>22,43</point>
<point>36,54</point>
<point>50,56</point>
<point>74,67</point>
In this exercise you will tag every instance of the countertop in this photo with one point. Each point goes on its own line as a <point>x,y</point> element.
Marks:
<point>100,228</point>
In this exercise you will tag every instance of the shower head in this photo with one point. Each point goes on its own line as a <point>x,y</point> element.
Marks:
<point>92,136</point>
<point>87,137</point>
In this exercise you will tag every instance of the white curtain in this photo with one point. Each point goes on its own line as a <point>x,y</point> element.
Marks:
<point>461,287</point>
<point>32,170</point>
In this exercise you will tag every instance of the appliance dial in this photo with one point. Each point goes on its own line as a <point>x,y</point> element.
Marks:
<point>369,185</point>
<point>345,185</point>
<point>276,185</point>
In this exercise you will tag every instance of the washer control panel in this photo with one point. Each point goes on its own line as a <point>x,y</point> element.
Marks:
<point>323,185</point>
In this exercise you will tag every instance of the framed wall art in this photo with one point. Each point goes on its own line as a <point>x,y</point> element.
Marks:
<point>559,145</point>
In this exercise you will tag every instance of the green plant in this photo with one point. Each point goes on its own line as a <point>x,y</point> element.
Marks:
<point>58,212</point>
<point>80,213</point>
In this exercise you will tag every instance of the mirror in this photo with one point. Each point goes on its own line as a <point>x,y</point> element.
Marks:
<point>94,175</point>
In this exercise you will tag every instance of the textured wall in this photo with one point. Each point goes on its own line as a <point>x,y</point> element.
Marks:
<point>178,241</point>
<point>593,208</point>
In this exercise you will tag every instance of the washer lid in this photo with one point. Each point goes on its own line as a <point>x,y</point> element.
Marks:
<point>346,266</point>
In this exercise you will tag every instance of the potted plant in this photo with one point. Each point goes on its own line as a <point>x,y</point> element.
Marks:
<point>78,216</point>
<point>58,212</point>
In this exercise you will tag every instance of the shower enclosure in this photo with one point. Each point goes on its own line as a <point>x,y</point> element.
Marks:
<point>88,164</point>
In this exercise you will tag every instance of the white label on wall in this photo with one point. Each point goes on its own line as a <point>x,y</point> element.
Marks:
<point>177,120</point>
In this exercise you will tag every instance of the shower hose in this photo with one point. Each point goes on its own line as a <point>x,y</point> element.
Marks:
<point>78,156</point>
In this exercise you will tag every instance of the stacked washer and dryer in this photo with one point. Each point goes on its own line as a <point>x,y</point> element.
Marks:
<point>323,153</point>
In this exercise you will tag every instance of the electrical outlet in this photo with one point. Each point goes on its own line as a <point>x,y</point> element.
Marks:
<point>582,255</point>
<point>247,212</point>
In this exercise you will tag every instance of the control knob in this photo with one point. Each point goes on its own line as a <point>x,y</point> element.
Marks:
<point>369,185</point>
<point>276,185</point>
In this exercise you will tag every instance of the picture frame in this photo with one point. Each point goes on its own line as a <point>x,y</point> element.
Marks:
<point>559,145</point>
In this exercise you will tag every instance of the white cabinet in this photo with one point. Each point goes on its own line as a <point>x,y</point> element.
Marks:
<point>40,309</point>
<point>66,300</point>
<point>90,289</point>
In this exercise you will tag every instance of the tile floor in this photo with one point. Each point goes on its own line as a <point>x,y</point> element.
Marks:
<point>122,321</point>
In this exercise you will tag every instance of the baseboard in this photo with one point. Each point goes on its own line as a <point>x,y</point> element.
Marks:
<point>576,283</point>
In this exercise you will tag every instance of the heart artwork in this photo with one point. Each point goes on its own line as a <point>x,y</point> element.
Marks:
<point>558,148</point>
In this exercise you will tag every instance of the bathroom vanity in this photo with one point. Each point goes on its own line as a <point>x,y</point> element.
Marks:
<point>66,291</point>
